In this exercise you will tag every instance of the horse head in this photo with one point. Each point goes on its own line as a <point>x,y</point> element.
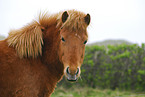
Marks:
<point>73,38</point>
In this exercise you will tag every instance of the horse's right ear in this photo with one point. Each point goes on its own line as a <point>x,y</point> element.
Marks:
<point>64,16</point>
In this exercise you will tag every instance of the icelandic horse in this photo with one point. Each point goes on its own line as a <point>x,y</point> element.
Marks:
<point>34,58</point>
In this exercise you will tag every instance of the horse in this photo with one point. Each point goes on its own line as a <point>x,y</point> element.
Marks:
<point>34,58</point>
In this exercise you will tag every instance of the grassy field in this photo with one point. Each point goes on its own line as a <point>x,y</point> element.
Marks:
<point>89,92</point>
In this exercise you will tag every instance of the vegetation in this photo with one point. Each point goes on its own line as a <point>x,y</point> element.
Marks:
<point>111,67</point>
<point>114,67</point>
<point>90,92</point>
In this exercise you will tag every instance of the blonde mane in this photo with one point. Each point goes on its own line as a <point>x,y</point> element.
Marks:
<point>75,21</point>
<point>28,40</point>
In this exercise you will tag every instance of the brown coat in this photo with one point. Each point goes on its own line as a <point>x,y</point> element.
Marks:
<point>32,58</point>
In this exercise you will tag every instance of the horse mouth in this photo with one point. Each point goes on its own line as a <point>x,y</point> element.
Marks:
<point>72,79</point>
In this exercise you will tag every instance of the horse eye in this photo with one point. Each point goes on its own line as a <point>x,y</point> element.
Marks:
<point>62,39</point>
<point>85,42</point>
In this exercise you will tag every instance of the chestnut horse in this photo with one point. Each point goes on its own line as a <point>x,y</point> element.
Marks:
<point>34,58</point>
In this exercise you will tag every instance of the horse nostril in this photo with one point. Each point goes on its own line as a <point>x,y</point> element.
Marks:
<point>67,71</point>
<point>77,71</point>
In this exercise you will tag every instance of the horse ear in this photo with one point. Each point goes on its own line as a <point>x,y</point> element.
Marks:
<point>87,19</point>
<point>64,16</point>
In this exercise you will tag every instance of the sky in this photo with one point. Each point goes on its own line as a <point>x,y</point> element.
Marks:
<point>110,19</point>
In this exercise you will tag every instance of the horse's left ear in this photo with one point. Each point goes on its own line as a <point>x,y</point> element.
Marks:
<point>87,19</point>
<point>64,16</point>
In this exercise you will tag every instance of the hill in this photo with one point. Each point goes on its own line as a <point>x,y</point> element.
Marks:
<point>111,42</point>
<point>2,37</point>
<point>105,43</point>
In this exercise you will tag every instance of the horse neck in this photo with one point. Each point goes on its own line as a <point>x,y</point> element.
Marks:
<point>50,51</point>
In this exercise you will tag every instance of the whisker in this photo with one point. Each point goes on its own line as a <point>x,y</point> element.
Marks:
<point>81,78</point>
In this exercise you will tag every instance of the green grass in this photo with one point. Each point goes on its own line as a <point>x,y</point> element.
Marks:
<point>90,92</point>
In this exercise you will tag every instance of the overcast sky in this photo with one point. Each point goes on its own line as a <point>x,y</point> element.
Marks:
<point>110,19</point>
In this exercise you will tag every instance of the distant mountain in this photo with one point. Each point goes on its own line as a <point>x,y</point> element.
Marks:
<point>111,42</point>
<point>2,37</point>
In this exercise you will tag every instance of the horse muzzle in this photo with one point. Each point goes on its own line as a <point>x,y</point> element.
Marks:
<point>72,77</point>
